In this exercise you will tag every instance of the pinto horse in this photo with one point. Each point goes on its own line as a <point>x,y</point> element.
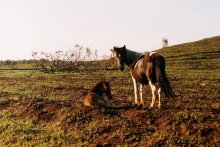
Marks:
<point>145,68</point>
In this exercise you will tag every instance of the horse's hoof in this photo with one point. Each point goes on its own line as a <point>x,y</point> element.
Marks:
<point>142,104</point>
<point>151,107</point>
<point>136,105</point>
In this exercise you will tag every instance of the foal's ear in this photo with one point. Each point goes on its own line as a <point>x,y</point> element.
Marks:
<point>101,79</point>
<point>107,84</point>
<point>106,81</point>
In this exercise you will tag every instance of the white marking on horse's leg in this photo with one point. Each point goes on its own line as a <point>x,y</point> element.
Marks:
<point>153,89</point>
<point>118,62</point>
<point>135,90</point>
<point>159,94</point>
<point>141,94</point>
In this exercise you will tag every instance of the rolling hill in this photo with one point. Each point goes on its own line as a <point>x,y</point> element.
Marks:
<point>203,54</point>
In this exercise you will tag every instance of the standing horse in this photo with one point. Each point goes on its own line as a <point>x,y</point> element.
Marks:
<point>147,68</point>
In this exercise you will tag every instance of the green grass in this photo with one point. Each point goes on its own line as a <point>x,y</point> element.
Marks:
<point>40,109</point>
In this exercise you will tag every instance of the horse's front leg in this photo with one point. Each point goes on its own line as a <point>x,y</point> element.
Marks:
<point>135,91</point>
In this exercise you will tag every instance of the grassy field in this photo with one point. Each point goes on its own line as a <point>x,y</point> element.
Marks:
<point>39,109</point>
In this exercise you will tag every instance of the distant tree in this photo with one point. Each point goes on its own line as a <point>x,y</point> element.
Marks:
<point>108,62</point>
<point>72,60</point>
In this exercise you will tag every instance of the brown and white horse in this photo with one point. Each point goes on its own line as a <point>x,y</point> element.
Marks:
<point>147,68</point>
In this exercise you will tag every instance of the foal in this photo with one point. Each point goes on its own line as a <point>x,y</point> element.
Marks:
<point>95,96</point>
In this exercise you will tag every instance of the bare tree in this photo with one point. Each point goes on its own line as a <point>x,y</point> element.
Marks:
<point>71,60</point>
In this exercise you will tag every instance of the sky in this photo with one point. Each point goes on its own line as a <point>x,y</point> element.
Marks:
<point>51,25</point>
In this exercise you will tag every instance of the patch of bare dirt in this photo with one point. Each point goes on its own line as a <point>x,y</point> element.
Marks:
<point>6,104</point>
<point>42,110</point>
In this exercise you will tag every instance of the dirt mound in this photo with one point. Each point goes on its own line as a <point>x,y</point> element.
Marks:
<point>43,110</point>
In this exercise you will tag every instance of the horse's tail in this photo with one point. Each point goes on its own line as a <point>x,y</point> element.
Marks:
<point>162,78</point>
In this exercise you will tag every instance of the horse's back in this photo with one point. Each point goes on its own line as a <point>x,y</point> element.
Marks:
<point>149,57</point>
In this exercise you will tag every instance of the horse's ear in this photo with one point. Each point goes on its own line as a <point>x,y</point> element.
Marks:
<point>107,83</point>
<point>115,48</point>
<point>124,46</point>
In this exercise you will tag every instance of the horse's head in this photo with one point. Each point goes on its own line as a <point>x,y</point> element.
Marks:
<point>106,89</point>
<point>120,56</point>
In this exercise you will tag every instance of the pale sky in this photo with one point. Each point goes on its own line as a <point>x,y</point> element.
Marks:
<point>50,25</point>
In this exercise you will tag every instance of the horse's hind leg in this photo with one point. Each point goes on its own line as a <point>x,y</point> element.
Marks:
<point>153,90</point>
<point>141,95</point>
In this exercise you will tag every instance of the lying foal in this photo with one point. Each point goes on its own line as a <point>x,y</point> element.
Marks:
<point>95,96</point>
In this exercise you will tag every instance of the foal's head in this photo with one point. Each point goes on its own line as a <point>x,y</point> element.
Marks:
<point>103,88</point>
<point>120,56</point>
<point>106,89</point>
